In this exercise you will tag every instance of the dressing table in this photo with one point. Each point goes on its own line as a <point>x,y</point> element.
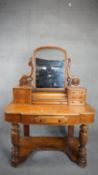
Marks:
<point>49,95</point>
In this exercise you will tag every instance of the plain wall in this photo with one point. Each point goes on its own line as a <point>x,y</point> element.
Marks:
<point>27,24</point>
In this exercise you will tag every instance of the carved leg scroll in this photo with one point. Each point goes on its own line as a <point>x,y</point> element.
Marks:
<point>83,137</point>
<point>15,142</point>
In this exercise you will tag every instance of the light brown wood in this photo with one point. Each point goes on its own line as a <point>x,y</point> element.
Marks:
<point>76,95</point>
<point>40,114</point>
<point>29,144</point>
<point>49,106</point>
<point>22,94</point>
<point>49,97</point>
<point>49,109</point>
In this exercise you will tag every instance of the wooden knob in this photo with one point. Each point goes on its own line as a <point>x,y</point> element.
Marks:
<point>75,81</point>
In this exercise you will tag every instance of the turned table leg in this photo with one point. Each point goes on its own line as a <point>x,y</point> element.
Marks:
<point>82,152</point>
<point>15,142</point>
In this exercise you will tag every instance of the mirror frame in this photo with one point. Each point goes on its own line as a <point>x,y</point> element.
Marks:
<point>34,56</point>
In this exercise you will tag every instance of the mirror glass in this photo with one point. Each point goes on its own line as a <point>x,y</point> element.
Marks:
<point>49,65</point>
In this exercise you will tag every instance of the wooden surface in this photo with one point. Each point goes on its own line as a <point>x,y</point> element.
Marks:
<point>28,114</point>
<point>49,106</point>
<point>49,114</point>
<point>74,147</point>
<point>48,109</point>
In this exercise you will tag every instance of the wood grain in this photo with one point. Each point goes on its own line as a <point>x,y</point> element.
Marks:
<point>49,106</point>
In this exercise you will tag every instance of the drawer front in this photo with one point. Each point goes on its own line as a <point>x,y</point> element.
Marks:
<point>76,96</point>
<point>22,95</point>
<point>45,119</point>
<point>52,120</point>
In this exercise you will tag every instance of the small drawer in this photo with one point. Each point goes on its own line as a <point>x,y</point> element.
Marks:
<point>49,120</point>
<point>76,95</point>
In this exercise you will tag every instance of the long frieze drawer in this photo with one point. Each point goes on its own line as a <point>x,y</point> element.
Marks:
<point>45,119</point>
<point>57,120</point>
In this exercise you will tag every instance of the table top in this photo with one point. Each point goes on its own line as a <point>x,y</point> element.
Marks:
<point>30,109</point>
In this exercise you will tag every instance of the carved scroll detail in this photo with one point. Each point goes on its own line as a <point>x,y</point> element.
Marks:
<point>26,80</point>
<point>72,79</point>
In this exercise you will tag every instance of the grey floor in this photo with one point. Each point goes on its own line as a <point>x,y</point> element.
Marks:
<point>25,25</point>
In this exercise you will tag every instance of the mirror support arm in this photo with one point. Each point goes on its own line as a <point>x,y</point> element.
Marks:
<point>26,80</point>
<point>72,79</point>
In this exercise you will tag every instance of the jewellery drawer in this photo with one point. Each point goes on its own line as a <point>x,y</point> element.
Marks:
<point>76,95</point>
